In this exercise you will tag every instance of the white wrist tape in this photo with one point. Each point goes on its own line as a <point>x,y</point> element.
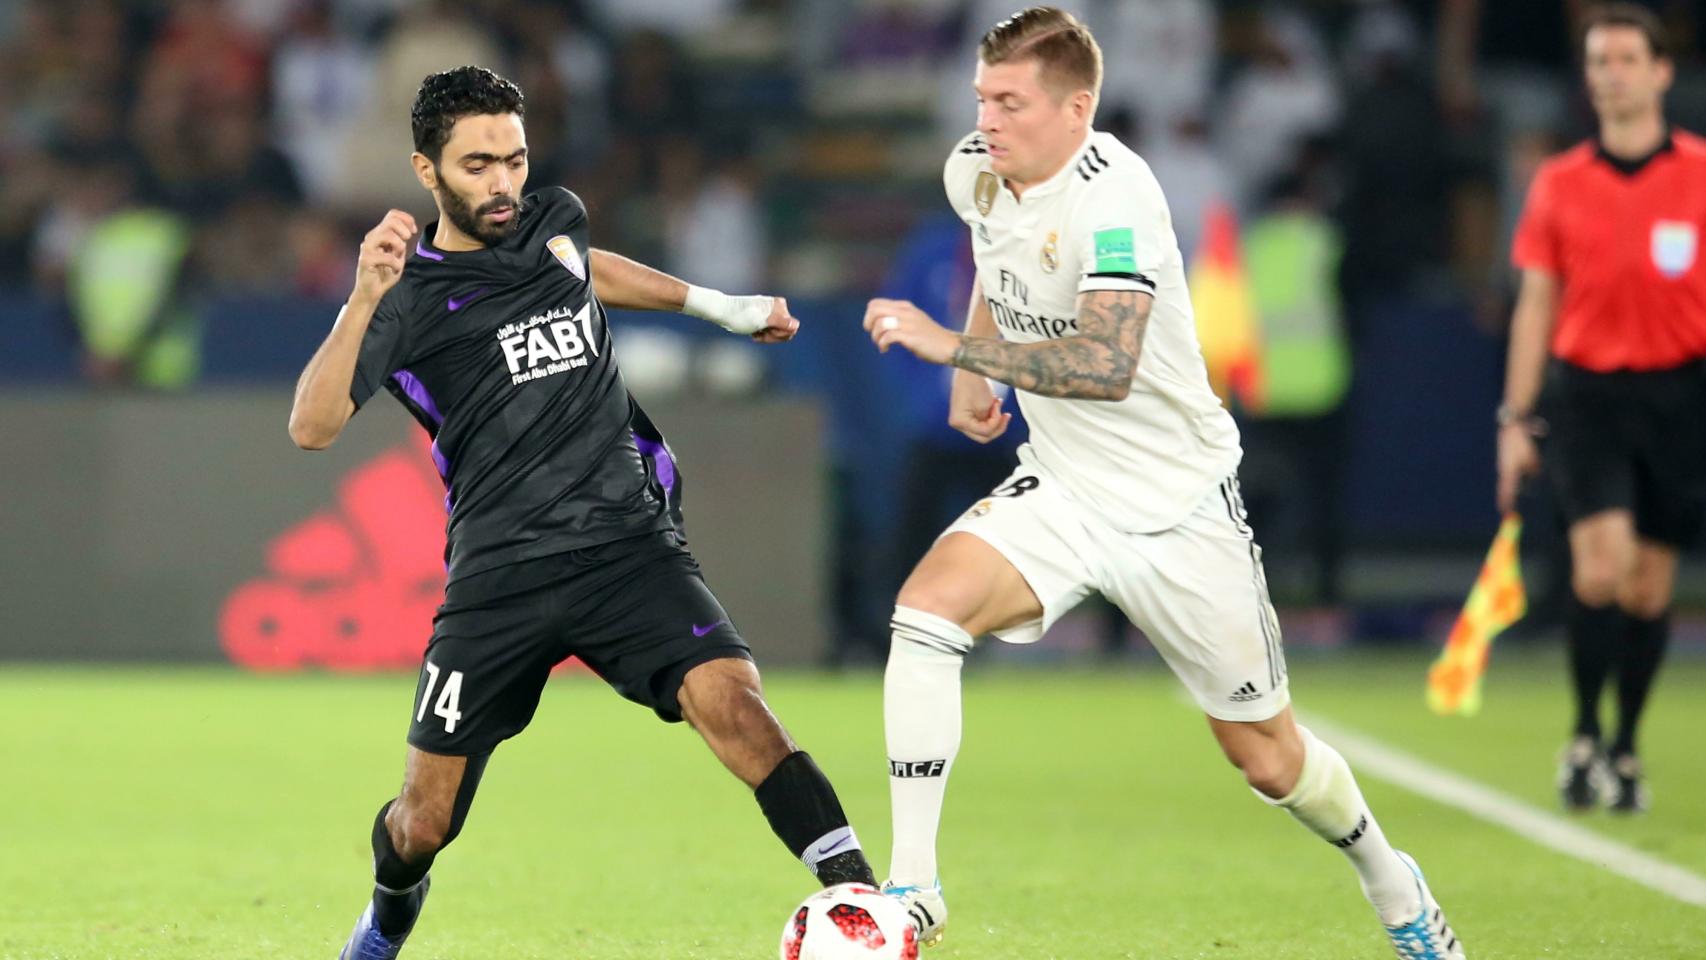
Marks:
<point>745,315</point>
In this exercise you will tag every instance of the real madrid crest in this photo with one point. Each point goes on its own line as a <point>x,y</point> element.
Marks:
<point>984,192</point>
<point>1051,252</point>
<point>564,250</point>
<point>981,508</point>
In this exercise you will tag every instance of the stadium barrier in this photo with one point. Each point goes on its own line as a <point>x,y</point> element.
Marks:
<point>189,528</point>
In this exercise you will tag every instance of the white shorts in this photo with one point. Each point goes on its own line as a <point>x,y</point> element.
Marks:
<point>1196,590</point>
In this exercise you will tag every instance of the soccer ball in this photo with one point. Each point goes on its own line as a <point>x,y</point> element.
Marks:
<point>852,921</point>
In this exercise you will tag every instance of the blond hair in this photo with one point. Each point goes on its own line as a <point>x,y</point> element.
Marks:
<point>1068,58</point>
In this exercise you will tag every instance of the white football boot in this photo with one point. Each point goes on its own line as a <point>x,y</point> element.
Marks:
<point>1428,937</point>
<point>925,905</point>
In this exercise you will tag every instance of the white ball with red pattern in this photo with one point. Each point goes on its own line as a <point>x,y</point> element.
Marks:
<point>852,921</point>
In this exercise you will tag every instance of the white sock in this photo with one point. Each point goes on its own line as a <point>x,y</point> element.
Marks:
<point>1328,802</point>
<point>921,718</point>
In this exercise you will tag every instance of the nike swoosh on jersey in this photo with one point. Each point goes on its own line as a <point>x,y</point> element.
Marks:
<point>699,631</point>
<point>457,303</point>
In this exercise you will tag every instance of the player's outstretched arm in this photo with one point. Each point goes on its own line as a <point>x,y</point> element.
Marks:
<point>973,408</point>
<point>323,405</point>
<point>1095,364</point>
<point>629,285</point>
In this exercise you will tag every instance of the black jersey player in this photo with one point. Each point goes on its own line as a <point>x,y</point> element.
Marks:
<point>563,499</point>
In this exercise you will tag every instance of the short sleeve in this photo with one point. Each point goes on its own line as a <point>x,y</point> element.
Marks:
<point>959,174</point>
<point>1535,246</point>
<point>1121,229</point>
<point>567,211</point>
<point>382,348</point>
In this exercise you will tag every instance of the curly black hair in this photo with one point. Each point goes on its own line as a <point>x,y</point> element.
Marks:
<point>447,97</point>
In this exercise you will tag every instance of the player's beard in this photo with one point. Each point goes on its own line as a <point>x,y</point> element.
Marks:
<point>471,219</point>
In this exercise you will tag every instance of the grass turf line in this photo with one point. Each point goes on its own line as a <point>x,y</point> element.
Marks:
<point>197,814</point>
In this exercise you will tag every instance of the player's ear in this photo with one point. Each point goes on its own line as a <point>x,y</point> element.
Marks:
<point>1083,105</point>
<point>425,170</point>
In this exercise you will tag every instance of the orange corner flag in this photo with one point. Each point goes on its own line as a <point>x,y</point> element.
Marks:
<point>1227,325</point>
<point>1495,602</point>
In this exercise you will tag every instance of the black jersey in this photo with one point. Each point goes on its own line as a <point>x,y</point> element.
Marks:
<point>503,354</point>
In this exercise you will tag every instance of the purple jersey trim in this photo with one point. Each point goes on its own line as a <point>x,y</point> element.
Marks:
<point>417,392</point>
<point>661,458</point>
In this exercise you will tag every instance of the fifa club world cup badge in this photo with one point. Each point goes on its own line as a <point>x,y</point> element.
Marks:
<point>564,250</point>
<point>984,192</point>
<point>1051,252</point>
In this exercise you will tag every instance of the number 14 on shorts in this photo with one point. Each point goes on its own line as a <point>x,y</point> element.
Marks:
<point>449,697</point>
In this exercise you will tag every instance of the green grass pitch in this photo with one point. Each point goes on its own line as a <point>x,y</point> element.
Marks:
<point>199,813</point>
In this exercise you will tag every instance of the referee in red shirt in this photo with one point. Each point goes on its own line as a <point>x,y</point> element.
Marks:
<point>1612,317</point>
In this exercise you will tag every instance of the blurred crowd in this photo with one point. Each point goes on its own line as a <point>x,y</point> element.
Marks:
<point>262,135</point>
<point>756,143</point>
<point>161,157</point>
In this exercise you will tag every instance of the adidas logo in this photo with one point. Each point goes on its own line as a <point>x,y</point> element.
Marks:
<point>353,587</point>
<point>1246,693</point>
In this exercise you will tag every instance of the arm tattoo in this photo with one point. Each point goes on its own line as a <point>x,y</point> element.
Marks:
<point>1096,364</point>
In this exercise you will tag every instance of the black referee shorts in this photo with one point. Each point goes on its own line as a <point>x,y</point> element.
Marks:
<point>1630,440</point>
<point>636,611</point>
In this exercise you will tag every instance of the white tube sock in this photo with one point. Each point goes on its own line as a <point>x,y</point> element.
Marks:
<point>1328,802</point>
<point>921,719</point>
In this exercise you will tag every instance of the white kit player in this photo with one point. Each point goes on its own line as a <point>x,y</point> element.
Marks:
<point>1127,487</point>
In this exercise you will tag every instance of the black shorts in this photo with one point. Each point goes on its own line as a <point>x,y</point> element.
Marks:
<point>636,611</point>
<point>1629,440</point>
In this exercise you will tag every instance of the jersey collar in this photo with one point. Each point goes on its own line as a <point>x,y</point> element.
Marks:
<point>1064,174</point>
<point>426,248</point>
<point>1631,167</point>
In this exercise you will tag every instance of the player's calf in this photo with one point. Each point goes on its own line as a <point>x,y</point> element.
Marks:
<point>400,882</point>
<point>404,847</point>
<point>724,701</point>
<point>408,834</point>
<point>1293,770</point>
<point>806,815</point>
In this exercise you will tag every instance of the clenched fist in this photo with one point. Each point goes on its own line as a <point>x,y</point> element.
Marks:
<point>383,251</point>
<point>897,322</point>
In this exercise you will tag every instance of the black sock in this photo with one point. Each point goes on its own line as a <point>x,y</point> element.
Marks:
<point>1643,649</point>
<point>399,887</point>
<point>849,867</point>
<point>802,808</point>
<point>1594,633</point>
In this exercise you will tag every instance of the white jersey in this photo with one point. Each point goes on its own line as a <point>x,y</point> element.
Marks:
<point>1101,223</point>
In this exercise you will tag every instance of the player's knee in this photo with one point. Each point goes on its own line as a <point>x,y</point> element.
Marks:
<point>718,691</point>
<point>1645,599</point>
<point>951,600</point>
<point>1596,581</point>
<point>724,698</point>
<point>1269,765</point>
<point>1268,773</point>
<point>740,712</point>
<point>419,833</point>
